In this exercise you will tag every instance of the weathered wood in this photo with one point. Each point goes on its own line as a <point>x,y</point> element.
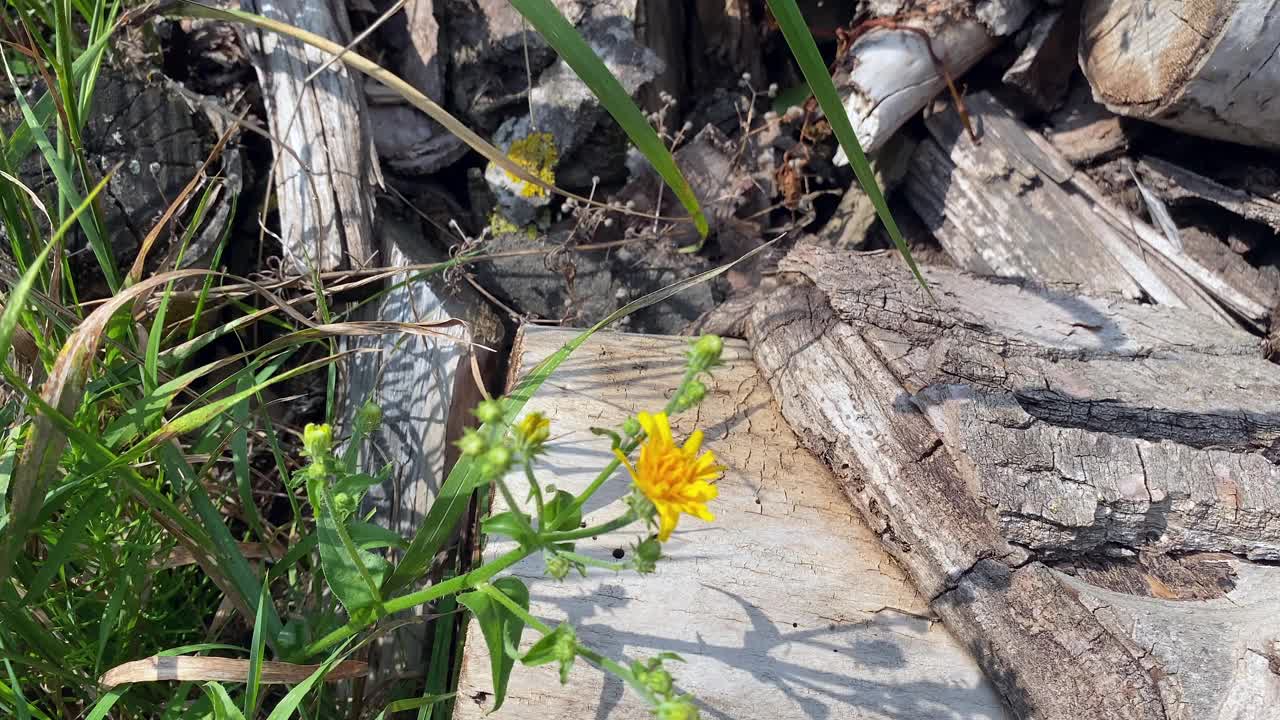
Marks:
<point>999,209</point>
<point>1175,183</point>
<point>1013,207</point>
<point>1000,436</point>
<point>784,607</point>
<point>1205,68</point>
<point>1042,71</point>
<point>425,388</point>
<point>1084,131</point>
<point>888,74</point>
<point>324,180</point>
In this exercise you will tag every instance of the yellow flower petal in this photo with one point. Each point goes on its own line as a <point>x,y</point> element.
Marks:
<point>676,479</point>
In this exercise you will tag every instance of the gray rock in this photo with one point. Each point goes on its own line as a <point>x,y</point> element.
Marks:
<point>589,144</point>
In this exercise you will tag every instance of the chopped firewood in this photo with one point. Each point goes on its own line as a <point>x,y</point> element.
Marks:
<point>1051,469</point>
<point>1204,68</point>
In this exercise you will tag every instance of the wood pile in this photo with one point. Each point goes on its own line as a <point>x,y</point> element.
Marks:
<point>1069,444</point>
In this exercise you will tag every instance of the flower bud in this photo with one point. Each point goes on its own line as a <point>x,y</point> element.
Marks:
<point>472,443</point>
<point>533,431</point>
<point>489,411</point>
<point>368,417</point>
<point>343,504</point>
<point>317,440</point>
<point>557,566</point>
<point>705,353</point>
<point>631,428</point>
<point>659,681</point>
<point>645,555</point>
<point>495,461</point>
<point>677,709</point>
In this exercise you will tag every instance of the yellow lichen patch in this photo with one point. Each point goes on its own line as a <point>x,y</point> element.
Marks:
<point>536,153</point>
<point>499,225</point>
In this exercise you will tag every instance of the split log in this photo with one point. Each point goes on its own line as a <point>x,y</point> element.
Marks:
<point>889,74</point>
<point>1013,207</point>
<point>325,176</point>
<point>1204,68</point>
<point>1084,488</point>
<point>784,607</point>
<point>426,390</point>
<point>998,209</point>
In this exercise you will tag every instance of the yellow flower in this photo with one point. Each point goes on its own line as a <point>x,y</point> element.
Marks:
<point>533,431</point>
<point>676,479</point>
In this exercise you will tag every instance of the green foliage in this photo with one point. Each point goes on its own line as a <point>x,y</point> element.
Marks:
<point>501,628</point>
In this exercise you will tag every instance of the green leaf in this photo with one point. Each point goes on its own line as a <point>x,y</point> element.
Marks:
<point>353,574</point>
<point>500,628</point>
<point>796,31</point>
<point>550,648</point>
<point>561,35</point>
<point>509,525</point>
<point>223,707</point>
<point>255,654</point>
<point>289,705</point>
<point>465,478</point>
<point>562,512</point>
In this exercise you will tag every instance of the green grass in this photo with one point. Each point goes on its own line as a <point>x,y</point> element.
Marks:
<point>145,447</point>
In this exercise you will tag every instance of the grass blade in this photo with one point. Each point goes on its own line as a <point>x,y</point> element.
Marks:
<point>465,477</point>
<point>796,31</point>
<point>573,49</point>
<point>44,447</point>
<point>255,655</point>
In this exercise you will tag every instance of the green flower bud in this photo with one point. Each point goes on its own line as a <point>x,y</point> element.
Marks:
<point>343,504</point>
<point>705,353</point>
<point>659,681</point>
<point>495,461</point>
<point>692,394</point>
<point>489,411</point>
<point>680,708</point>
<point>695,392</point>
<point>368,417</point>
<point>631,427</point>
<point>472,443</point>
<point>317,440</point>
<point>557,567</point>
<point>645,555</point>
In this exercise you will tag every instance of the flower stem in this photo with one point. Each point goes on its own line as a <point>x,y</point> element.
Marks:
<point>618,669</point>
<point>426,595</point>
<point>621,521</point>
<point>514,607</point>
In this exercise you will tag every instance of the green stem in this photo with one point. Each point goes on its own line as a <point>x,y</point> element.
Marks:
<point>627,447</point>
<point>621,521</point>
<point>515,507</point>
<point>592,562</point>
<point>514,607</point>
<point>535,489</point>
<point>426,595</point>
<point>618,669</point>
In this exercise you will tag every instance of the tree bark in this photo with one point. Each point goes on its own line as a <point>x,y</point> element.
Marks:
<point>1085,488</point>
<point>888,74</point>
